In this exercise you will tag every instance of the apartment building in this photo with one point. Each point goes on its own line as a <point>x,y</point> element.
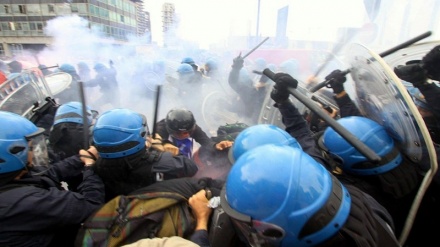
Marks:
<point>22,22</point>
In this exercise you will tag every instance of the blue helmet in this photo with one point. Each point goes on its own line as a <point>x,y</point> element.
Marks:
<point>290,67</point>
<point>99,66</point>
<point>212,64</point>
<point>188,60</point>
<point>258,135</point>
<point>68,68</point>
<point>185,69</point>
<point>15,136</point>
<point>119,133</point>
<point>83,66</point>
<point>280,196</point>
<point>373,135</point>
<point>260,64</point>
<point>71,112</point>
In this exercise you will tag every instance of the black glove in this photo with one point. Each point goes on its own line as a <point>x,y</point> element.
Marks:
<point>412,72</point>
<point>431,62</point>
<point>283,81</point>
<point>336,81</point>
<point>238,62</point>
<point>279,96</point>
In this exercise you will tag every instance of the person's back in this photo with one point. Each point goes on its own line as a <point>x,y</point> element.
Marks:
<point>35,210</point>
<point>126,162</point>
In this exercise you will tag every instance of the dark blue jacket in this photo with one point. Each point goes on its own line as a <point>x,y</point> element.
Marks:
<point>38,213</point>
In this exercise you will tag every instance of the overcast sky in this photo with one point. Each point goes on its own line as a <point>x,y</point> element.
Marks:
<point>208,21</point>
<point>212,20</point>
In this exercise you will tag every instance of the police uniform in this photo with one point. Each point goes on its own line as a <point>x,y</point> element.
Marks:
<point>36,212</point>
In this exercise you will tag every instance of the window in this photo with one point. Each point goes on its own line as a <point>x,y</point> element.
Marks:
<point>51,8</point>
<point>18,26</point>
<point>5,9</point>
<point>5,26</point>
<point>74,8</point>
<point>121,18</point>
<point>36,26</point>
<point>22,9</point>
<point>82,8</point>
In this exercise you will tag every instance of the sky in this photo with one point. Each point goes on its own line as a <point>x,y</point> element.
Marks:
<point>212,20</point>
<point>209,21</point>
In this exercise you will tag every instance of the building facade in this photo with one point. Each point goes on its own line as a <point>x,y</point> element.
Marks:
<point>22,22</point>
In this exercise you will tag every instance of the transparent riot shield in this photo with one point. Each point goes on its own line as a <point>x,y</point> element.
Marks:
<point>414,52</point>
<point>411,53</point>
<point>58,82</point>
<point>270,114</point>
<point>381,96</point>
<point>24,92</point>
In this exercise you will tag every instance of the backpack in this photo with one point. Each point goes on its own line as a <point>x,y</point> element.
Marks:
<point>229,131</point>
<point>126,219</point>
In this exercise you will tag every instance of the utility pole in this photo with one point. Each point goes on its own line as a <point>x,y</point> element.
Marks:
<point>258,23</point>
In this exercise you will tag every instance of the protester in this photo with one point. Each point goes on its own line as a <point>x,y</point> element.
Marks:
<point>3,77</point>
<point>198,192</point>
<point>180,129</point>
<point>36,210</point>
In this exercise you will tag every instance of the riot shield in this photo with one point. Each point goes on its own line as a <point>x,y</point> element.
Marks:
<point>58,82</point>
<point>219,108</point>
<point>270,114</point>
<point>414,52</point>
<point>23,93</point>
<point>381,96</point>
<point>152,80</point>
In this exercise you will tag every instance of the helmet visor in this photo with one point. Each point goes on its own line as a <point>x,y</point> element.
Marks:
<point>38,152</point>
<point>256,233</point>
<point>181,135</point>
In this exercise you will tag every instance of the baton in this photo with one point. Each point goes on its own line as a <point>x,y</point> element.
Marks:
<point>349,137</point>
<point>156,109</point>
<point>86,131</point>
<point>256,47</point>
<point>383,54</point>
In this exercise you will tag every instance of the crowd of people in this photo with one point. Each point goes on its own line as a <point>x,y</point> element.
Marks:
<point>278,186</point>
